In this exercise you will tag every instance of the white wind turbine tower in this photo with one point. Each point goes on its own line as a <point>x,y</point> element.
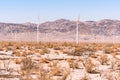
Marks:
<point>103,38</point>
<point>113,37</point>
<point>15,36</point>
<point>77,38</point>
<point>77,31</point>
<point>38,30</point>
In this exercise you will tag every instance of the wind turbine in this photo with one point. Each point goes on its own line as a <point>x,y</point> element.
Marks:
<point>113,37</point>
<point>104,35</point>
<point>38,30</point>
<point>77,31</point>
<point>77,39</point>
<point>15,36</point>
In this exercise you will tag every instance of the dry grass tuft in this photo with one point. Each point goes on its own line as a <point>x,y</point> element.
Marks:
<point>103,59</point>
<point>66,74</point>
<point>85,77</point>
<point>89,66</point>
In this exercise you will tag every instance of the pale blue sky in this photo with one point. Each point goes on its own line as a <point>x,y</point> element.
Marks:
<point>20,11</point>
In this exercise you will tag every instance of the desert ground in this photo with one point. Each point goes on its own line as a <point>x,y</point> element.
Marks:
<point>59,37</point>
<point>59,61</point>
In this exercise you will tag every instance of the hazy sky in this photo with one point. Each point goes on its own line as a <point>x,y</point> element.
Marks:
<point>20,11</point>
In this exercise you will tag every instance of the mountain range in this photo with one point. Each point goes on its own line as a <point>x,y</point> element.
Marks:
<point>105,27</point>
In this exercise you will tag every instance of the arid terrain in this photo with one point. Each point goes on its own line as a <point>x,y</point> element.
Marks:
<point>59,61</point>
<point>59,39</point>
<point>57,56</point>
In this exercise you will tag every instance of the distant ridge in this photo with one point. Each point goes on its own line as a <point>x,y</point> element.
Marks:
<point>105,27</point>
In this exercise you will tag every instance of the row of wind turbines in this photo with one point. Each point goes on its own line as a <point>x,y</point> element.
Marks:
<point>77,31</point>
<point>76,34</point>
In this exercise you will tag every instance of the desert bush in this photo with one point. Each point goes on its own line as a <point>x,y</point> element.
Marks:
<point>16,52</point>
<point>79,51</point>
<point>27,68</point>
<point>108,50</point>
<point>113,55</point>
<point>93,55</point>
<point>55,71</point>
<point>43,75</point>
<point>18,61</point>
<point>43,60</point>
<point>27,64</point>
<point>68,50</point>
<point>85,77</point>
<point>73,63</point>
<point>110,75</point>
<point>31,52</point>
<point>116,64</point>
<point>66,74</point>
<point>44,50</point>
<point>89,66</point>
<point>103,59</point>
<point>57,48</point>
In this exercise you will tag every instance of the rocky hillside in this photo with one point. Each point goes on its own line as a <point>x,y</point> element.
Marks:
<point>103,27</point>
<point>62,30</point>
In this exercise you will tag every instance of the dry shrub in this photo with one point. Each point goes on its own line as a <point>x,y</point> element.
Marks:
<point>27,64</point>
<point>58,69</point>
<point>19,53</point>
<point>47,75</point>
<point>68,50</point>
<point>22,54</point>
<point>73,63</point>
<point>1,49</point>
<point>53,63</point>
<point>103,59</point>
<point>31,52</point>
<point>85,77</point>
<point>27,68</point>
<point>66,74</point>
<point>55,71</point>
<point>89,66</point>
<point>18,61</point>
<point>108,50</point>
<point>40,51</point>
<point>113,54</point>
<point>93,55</point>
<point>43,60</point>
<point>98,48</point>
<point>64,51</point>
<point>110,76</point>
<point>76,65</point>
<point>43,75</point>
<point>57,48</point>
<point>46,50</point>
<point>116,64</point>
<point>79,51</point>
<point>16,52</point>
<point>56,52</point>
